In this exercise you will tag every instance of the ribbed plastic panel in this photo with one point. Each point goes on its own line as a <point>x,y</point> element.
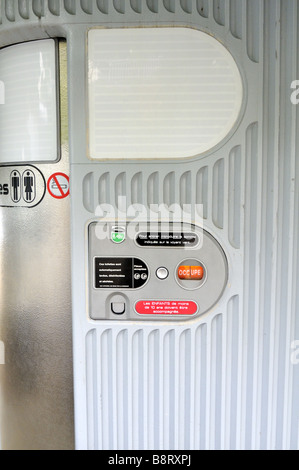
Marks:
<point>206,189</point>
<point>157,373</point>
<point>13,10</point>
<point>226,382</point>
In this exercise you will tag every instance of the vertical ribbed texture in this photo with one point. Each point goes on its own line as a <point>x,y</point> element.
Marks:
<point>202,191</point>
<point>252,25</point>
<point>271,254</point>
<point>235,18</point>
<point>203,7</point>
<point>226,382</point>
<point>103,6</point>
<point>271,116</point>
<point>227,13</point>
<point>219,11</point>
<point>234,197</point>
<point>218,193</point>
<point>148,380</point>
<point>208,189</point>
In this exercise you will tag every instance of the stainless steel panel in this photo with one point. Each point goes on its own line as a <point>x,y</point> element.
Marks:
<point>35,315</point>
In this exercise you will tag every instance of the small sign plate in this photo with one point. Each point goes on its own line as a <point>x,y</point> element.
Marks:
<point>21,186</point>
<point>166,307</point>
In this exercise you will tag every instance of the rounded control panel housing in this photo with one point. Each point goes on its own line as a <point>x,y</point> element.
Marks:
<point>171,274</point>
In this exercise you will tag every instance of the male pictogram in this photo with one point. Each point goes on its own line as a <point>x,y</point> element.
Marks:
<point>15,186</point>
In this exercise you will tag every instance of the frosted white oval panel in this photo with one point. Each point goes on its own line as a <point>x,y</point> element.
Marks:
<point>159,93</point>
<point>28,106</point>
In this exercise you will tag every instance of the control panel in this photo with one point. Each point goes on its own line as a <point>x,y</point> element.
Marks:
<point>141,272</point>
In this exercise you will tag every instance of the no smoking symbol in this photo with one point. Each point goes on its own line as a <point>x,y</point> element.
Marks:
<point>59,185</point>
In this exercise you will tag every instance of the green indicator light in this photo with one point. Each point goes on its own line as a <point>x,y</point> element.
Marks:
<point>117,237</point>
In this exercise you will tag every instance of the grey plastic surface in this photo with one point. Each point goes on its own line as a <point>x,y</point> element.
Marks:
<point>226,381</point>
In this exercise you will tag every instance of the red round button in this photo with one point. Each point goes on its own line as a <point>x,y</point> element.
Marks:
<point>191,273</point>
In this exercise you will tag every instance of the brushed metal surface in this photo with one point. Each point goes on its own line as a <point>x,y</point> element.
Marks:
<point>35,317</point>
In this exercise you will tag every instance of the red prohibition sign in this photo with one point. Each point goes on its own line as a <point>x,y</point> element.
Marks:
<point>59,185</point>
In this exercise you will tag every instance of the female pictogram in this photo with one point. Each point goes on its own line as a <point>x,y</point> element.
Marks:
<point>29,190</point>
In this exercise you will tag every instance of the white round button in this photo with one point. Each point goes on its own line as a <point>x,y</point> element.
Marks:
<point>162,273</point>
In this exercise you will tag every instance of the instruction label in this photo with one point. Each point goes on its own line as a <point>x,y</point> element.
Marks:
<point>166,307</point>
<point>167,240</point>
<point>116,272</point>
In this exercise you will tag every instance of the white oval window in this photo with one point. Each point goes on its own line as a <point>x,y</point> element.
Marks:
<point>165,93</point>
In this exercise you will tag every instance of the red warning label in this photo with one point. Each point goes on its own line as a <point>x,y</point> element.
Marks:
<point>166,307</point>
<point>59,185</point>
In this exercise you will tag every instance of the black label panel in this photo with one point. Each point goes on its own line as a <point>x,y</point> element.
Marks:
<point>167,240</point>
<point>115,273</point>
